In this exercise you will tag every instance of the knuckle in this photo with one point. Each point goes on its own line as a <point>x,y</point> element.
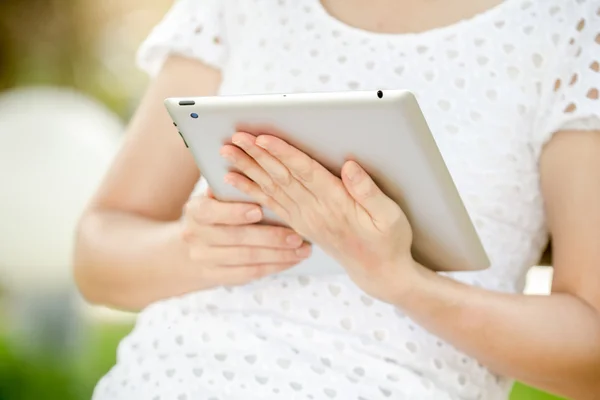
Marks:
<point>283,177</point>
<point>309,168</point>
<point>305,170</point>
<point>278,235</point>
<point>269,187</point>
<point>395,217</point>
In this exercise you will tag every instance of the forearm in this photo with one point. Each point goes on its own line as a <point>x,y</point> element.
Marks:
<point>552,342</point>
<point>127,261</point>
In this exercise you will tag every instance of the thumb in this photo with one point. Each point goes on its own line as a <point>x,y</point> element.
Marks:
<point>366,193</point>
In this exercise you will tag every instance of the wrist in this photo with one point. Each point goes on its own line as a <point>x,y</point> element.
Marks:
<point>414,278</point>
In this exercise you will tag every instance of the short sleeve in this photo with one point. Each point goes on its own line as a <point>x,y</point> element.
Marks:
<point>191,28</point>
<point>570,99</point>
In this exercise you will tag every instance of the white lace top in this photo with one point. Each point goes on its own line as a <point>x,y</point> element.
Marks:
<point>493,87</point>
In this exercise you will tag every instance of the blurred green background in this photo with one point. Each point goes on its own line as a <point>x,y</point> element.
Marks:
<point>51,376</point>
<point>52,346</point>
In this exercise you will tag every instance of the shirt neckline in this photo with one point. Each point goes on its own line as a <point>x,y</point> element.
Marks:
<point>444,30</point>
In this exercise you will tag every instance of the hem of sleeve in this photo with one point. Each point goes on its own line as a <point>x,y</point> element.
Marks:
<point>583,122</point>
<point>151,58</point>
<point>191,28</point>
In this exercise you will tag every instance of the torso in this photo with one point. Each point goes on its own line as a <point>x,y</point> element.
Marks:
<point>478,80</point>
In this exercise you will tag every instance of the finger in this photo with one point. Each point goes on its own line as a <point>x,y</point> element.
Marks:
<point>209,193</point>
<point>240,275</point>
<point>245,164</point>
<point>251,235</point>
<point>367,194</point>
<point>276,171</point>
<point>236,255</point>
<point>316,178</point>
<point>251,188</point>
<point>205,210</point>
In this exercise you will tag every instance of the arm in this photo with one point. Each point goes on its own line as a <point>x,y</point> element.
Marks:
<point>551,342</point>
<point>140,201</point>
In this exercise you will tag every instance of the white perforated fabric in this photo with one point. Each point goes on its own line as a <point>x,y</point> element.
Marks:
<point>494,89</point>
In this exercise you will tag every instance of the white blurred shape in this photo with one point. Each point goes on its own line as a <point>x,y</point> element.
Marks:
<point>55,146</point>
<point>539,281</point>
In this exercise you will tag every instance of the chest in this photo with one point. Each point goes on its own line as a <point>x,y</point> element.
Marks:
<point>463,58</point>
<point>404,16</point>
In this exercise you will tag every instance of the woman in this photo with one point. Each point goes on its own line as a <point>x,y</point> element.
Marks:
<point>511,93</point>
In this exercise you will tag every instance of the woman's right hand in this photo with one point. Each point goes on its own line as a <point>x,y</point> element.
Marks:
<point>229,246</point>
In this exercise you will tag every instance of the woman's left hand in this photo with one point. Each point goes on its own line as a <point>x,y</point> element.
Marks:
<point>349,218</point>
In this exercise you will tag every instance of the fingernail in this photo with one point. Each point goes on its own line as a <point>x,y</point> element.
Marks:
<point>294,240</point>
<point>303,251</point>
<point>254,214</point>
<point>353,171</point>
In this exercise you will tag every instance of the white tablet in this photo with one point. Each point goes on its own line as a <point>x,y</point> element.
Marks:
<point>384,131</point>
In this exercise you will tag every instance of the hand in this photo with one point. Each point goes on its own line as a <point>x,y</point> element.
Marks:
<point>231,249</point>
<point>350,218</point>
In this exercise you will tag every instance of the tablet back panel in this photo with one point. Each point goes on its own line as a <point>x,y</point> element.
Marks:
<point>385,132</point>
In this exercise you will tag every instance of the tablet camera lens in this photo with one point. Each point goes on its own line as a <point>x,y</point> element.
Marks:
<point>379,94</point>
<point>194,115</point>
